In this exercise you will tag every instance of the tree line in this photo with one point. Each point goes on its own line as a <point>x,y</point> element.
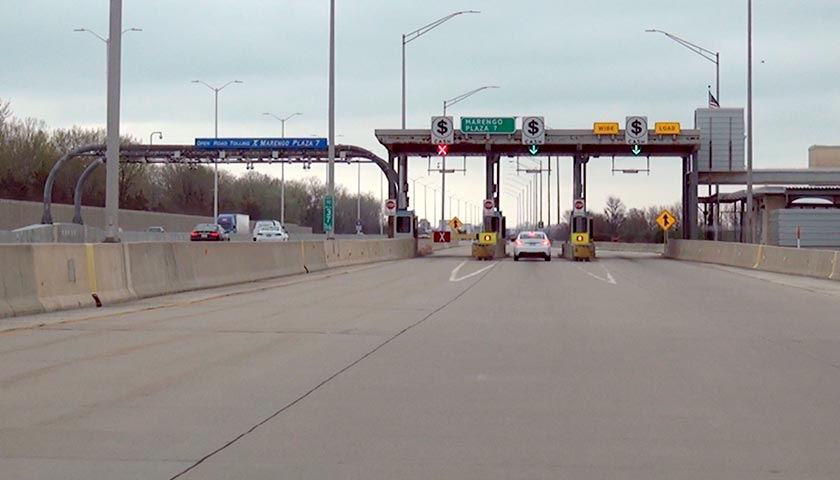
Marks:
<point>29,150</point>
<point>619,224</point>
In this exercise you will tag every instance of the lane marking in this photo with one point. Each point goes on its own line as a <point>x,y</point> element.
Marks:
<point>453,277</point>
<point>608,279</point>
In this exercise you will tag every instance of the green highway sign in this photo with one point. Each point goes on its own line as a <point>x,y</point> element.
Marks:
<point>329,213</point>
<point>488,124</point>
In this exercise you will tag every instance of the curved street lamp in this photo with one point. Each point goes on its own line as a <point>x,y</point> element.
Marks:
<point>709,55</point>
<point>414,35</point>
<point>464,96</point>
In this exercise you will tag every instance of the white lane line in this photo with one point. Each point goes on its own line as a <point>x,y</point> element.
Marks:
<point>609,278</point>
<point>453,277</point>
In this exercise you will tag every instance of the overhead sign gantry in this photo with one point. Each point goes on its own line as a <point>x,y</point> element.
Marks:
<point>493,138</point>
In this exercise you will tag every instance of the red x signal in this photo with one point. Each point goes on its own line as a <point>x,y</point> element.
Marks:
<point>443,149</point>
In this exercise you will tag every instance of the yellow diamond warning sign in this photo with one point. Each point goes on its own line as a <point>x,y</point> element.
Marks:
<point>455,224</point>
<point>666,220</point>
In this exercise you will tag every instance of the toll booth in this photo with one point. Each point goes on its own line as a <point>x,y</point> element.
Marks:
<point>402,224</point>
<point>490,242</point>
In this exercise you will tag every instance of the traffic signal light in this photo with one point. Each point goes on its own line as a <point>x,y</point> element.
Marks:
<point>443,149</point>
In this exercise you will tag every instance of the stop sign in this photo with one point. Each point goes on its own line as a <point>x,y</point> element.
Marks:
<point>391,205</point>
<point>579,204</point>
<point>488,204</point>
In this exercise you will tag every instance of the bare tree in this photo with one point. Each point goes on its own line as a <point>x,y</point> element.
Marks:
<point>615,214</point>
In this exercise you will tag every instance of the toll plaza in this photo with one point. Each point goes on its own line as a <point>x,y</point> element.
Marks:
<point>492,138</point>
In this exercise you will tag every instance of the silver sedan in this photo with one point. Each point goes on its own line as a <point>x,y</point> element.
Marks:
<point>532,244</point>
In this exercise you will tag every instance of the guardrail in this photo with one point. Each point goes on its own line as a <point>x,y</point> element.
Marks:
<point>42,277</point>
<point>813,263</point>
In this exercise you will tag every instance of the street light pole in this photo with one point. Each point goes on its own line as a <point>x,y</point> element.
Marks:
<point>464,96</point>
<point>331,121</point>
<point>282,164</point>
<point>112,149</point>
<point>709,55</point>
<point>282,121</point>
<point>152,135</point>
<point>112,142</point>
<point>750,215</point>
<point>216,135</point>
<point>359,194</point>
<point>414,35</point>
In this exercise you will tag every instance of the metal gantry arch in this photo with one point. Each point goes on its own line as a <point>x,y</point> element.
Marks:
<point>189,155</point>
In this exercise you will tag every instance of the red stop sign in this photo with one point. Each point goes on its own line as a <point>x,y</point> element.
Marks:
<point>391,204</point>
<point>578,204</point>
<point>488,204</point>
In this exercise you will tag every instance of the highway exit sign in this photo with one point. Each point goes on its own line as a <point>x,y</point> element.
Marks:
<point>329,213</point>
<point>498,125</point>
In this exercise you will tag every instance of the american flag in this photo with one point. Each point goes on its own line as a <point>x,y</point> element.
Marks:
<point>713,103</point>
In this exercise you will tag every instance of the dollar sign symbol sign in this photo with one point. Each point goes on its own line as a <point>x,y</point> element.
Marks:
<point>442,127</point>
<point>637,127</point>
<point>532,127</point>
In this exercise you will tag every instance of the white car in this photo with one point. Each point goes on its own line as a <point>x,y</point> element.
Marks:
<point>270,233</point>
<point>532,244</point>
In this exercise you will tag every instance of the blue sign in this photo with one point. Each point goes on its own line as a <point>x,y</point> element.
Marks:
<point>260,143</point>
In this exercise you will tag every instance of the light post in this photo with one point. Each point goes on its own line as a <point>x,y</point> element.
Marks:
<point>216,135</point>
<point>750,216</point>
<point>330,229</point>
<point>152,135</point>
<point>414,35</point>
<point>464,96</point>
<point>358,196</point>
<point>282,165</point>
<point>709,55</point>
<point>112,147</point>
<point>381,203</point>
<point>406,39</point>
<point>282,121</point>
<point>434,202</point>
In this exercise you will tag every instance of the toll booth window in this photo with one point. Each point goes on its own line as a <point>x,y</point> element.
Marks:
<point>580,224</point>
<point>404,224</point>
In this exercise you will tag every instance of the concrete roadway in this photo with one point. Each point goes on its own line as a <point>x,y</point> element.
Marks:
<point>631,367</point>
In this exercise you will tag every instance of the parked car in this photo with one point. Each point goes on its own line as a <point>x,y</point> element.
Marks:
<point>209,232</point>
<point>270,233</point>
<point>532,244</point>
<point>156,230</point>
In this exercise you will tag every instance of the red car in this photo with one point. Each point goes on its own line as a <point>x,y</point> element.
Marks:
<point>209,232</point>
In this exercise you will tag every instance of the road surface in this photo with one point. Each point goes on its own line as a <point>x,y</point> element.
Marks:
<point>631,367</point>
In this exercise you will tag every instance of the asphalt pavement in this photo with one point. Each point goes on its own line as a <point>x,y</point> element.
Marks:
<point>629,367</point>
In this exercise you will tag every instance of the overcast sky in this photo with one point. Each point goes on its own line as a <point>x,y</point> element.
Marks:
<point>573,61</point>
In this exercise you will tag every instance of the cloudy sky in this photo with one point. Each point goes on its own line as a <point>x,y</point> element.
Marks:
<point>573,61</point>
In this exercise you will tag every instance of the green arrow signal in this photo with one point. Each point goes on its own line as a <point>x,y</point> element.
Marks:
<point>534,150</point>
<point>636,149</point>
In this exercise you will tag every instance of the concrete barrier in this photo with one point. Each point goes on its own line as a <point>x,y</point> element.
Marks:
<point>341,253</point>
<point>803,262</point>
<point>807,262</point>
<point>630,247</point>
<point>18,285</point>
<point>46,277</point>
